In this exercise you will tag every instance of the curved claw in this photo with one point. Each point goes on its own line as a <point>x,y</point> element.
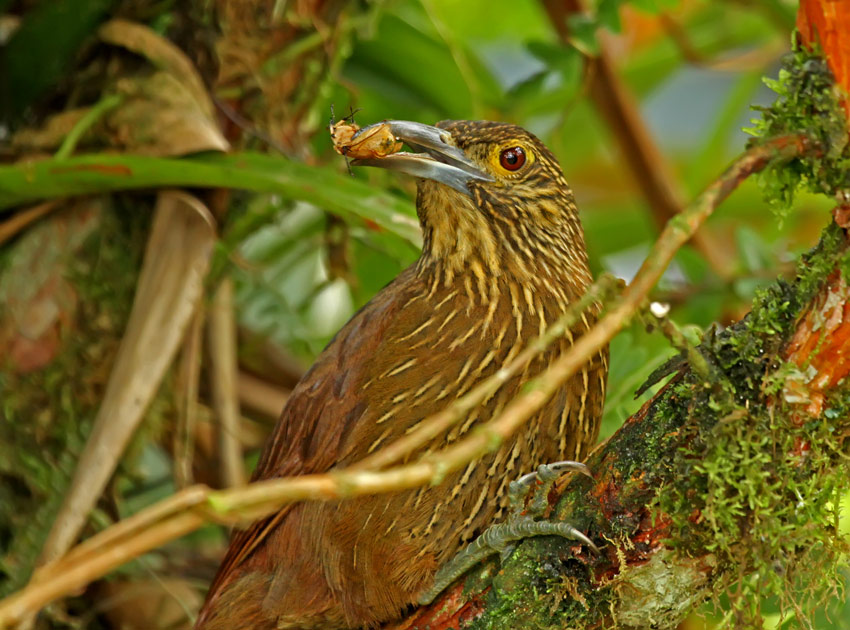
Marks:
<point>582,537</point>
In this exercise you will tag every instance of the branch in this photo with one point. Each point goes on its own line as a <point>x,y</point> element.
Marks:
<point>190,509</point>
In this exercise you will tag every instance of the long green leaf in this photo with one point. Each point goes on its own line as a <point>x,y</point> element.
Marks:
<point>351,199</point>
<point>41,51</point>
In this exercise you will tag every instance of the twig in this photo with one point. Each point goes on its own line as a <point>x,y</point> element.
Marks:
<point>60,583</point>
<point>19,220</point>
<point>699,363</point>
<point>180,502</point>
<point>192,507</point>
<point>260,395</point>
<point>748,60</point>
<point>221,334</point>
<point>248,127</point>
<point>658,318</point>
<point>267,358</point>
<point>85,123</point>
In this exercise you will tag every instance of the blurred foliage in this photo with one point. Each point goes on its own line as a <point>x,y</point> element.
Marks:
<point>43,49</point>
<point>695,67</point>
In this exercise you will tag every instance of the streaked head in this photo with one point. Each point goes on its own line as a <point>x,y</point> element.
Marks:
<point>489,192</point>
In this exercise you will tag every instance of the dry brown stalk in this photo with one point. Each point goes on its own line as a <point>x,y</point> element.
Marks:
<point>169,288</point>
<point>188,376</point>
<point>221,336</point>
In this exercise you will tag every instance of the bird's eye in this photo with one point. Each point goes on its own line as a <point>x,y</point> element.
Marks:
<point>512,159</point>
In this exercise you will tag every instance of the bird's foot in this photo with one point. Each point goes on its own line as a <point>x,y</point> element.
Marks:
<point>521,523</point>
<point>545,476</point>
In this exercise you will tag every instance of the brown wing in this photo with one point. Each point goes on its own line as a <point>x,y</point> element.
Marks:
<point>320,413</point>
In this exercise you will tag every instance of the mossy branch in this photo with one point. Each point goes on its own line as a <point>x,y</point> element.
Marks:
<point>701,489</point>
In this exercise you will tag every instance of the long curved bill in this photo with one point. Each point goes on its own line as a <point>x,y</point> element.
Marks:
<point>437,160</point>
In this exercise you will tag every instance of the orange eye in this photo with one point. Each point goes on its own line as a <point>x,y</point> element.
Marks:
<point>512,159</point>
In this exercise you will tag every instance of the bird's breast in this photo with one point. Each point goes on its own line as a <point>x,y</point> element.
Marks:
<point>444,340</point>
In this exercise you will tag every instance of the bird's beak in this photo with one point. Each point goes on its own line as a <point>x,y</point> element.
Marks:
<point>439,159</point>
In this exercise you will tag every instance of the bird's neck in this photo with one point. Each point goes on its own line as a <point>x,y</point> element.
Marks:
<point>462,246</point>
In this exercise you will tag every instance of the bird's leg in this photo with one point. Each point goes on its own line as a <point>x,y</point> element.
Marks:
<point>524,517</point>
<point>520,523</point>
<point>545,475</point>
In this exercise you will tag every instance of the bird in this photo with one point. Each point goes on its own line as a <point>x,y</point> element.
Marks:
<point>503,256</point>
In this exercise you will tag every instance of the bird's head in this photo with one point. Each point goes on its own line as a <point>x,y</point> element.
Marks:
<point>490,195</point>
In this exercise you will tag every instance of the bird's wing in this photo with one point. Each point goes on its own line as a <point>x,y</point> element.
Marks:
<point>320,413</point>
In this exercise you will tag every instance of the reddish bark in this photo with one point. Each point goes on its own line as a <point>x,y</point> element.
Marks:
<point>819,346</point>
<point>827,23</point>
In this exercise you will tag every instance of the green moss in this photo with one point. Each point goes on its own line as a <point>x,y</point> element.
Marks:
<point>765,487</point>
<point>808,103</point>
<point>760,511</point>
<point>529,591</point>
<point>741,501</point>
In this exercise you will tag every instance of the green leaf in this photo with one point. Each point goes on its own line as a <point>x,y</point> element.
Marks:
<point>608,14</point>
<point>583,33</point>
<point>529,89</point>
<point>564,59</point>
<point>42,49</point>
<point>419,76</point>
<point>551,90</point>
<point>345,196</point>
